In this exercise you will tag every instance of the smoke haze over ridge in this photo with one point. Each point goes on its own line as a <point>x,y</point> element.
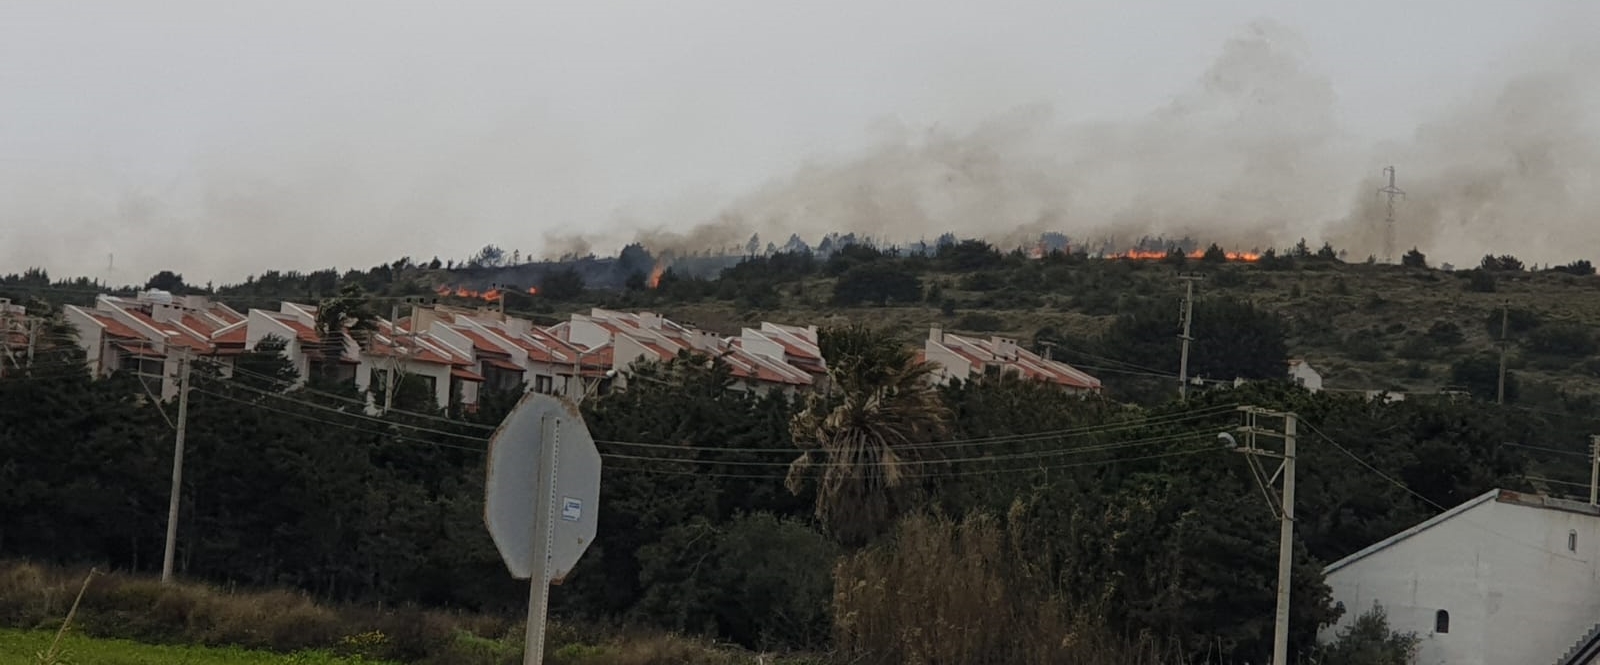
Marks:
<point>449,152</point>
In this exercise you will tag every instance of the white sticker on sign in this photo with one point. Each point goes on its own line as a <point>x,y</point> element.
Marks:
<point>571,509</point>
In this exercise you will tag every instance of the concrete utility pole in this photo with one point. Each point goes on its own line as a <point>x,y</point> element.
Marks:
<point>1188,317</point>
<point>1505,320</point>
<point>34,326</point>
<point>1594,470</point>
<point>1283,507</point>
<point>5,343</point>
<point>389,376</point>
<point>177,467</point>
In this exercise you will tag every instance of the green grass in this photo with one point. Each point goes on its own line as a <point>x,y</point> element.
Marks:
<point>21,648</point>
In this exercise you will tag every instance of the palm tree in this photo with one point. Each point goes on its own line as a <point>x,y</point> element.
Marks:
<point>855,434</point>
<point>348,313</point>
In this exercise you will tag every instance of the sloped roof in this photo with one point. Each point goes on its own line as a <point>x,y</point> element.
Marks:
<point>1498,495</point>
<point>114,327</point>
<point>982,352</point>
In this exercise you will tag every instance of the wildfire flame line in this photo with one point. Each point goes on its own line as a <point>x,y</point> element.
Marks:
<point>1148,255</point>
<point>487,295</point>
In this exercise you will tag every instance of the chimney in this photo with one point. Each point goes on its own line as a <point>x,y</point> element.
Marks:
<point>422,318</point>
<point>1003,347</point>
<point>936,334</point>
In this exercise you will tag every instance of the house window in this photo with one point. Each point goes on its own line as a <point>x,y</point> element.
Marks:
<point>1441,622</point>
<point>543,383</point>
<point>1572,541</point>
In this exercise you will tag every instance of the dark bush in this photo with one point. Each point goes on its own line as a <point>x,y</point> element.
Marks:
<point>1569,340</point>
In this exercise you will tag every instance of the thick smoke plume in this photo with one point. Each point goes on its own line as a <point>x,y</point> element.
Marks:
<point>1251,156</point>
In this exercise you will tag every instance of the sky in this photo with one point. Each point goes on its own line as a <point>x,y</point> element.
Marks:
<point>220,140</point>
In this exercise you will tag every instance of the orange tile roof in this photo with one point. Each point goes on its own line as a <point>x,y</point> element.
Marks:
<point>502,364</point>
<point>301,331</point>
<point>479,342</point>
<point>139,350</point>
<point>465,375</point>
<point>225,314</point>
<point>419,354</point>
<point>116,328</point>
<point>198,324</point>
<point>794,349</point>
<point>235,336</point>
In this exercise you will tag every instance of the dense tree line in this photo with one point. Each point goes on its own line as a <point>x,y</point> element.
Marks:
<point>1128,516</point>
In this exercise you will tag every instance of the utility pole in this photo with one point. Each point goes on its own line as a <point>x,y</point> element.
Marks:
<point>1505,320</point>
<point>394,334</point>
<point>1392,192</point>
<point>1594,470</point>
<point>1283,507</point>
<point>1188,317</point>
<point>177,466</point>
<point>34,325</point>
<point>5,342</point>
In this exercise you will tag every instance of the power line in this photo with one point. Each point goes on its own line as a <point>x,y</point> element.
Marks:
<point>640,458</point>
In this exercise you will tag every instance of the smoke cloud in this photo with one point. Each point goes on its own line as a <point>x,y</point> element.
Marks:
<point>1251,156</point>
<point>348,138</point>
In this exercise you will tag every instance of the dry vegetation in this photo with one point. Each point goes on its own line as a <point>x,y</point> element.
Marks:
<point>943,591</point>
<point>1358,324</point>
<point>35,597</point>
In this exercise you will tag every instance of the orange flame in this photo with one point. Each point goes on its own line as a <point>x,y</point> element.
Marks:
<point>655,274</point>
<point>533,290</point>
<point>1148,255</point>
<point>491,295</point>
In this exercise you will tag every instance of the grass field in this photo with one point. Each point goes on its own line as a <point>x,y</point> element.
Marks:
<point>22,648</point>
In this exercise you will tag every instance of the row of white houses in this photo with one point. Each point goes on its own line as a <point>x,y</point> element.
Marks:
<point>458,351</point>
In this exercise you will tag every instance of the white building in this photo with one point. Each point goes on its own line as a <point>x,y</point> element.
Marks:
<point>1503,579</point>
<point>510,352</point>
<point>144,335</point>
<point>645,337</point>
<point>1302,374</point>
<point>962,358</point>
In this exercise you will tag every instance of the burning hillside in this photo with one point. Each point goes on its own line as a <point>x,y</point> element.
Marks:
<point>1148,255</point>
<point>486,295</point>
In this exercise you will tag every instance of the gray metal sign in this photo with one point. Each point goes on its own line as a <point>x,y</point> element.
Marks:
<point>541,500</point>
<point>542,427</point>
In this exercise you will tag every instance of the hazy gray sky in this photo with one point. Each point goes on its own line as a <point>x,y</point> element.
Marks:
<point>223,139</point>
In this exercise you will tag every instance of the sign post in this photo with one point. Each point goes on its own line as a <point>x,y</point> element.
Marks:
<point>541,499</point>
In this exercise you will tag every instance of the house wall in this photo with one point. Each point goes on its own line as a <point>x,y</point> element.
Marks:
<point>1304,375</point>
<point>1515,593</point>
<point>90,338</point>
<point>587,334</point>
<point>759,344</point>
<point>260,326</point>
<point>951,365</point>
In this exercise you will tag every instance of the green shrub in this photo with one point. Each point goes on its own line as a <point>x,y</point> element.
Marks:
<point>1567,340</point>
<point>1369,641</point>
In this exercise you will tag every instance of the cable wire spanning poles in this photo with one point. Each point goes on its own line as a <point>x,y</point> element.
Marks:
<point>1282,507</point>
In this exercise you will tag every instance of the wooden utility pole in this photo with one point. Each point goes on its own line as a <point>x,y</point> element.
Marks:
<point>177,467</point>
